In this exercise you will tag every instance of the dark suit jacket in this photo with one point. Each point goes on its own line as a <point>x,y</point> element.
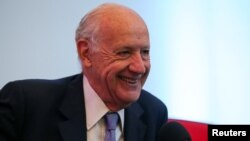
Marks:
<point>53,110</point>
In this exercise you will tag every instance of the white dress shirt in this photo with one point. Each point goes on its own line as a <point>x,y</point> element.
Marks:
<point>95,110</point>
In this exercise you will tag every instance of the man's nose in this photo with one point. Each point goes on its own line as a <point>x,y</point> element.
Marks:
<point>137,64</point>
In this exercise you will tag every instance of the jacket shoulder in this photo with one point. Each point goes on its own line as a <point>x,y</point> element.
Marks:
<point>36,89</point>
<point>148,99</point>
<point>34,83</point>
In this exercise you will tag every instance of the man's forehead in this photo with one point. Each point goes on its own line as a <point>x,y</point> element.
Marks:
<point>111,29</point>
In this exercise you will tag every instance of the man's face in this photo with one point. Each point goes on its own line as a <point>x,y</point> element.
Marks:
<point>120,64</point>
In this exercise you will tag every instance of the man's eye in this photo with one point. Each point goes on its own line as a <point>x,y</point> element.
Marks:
<point>145,54</point>
<point>124,53</point>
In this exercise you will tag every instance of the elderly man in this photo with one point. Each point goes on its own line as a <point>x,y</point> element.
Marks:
<point>113,48</point>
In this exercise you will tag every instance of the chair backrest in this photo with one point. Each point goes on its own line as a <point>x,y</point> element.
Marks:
<point>197,130</point>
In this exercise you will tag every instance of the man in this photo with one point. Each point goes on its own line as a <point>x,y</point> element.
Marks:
<point>113,48</point>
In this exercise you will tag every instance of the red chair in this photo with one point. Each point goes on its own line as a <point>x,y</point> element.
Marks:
<point>197,130</point>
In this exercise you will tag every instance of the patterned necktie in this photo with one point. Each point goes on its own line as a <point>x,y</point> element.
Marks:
<point>111,120</point>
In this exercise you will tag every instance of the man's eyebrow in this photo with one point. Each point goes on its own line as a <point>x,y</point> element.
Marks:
<point>124,48</point>
<point>146,47</point>
<point>131,47</point>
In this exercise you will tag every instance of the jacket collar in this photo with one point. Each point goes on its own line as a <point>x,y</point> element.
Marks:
<point>73,127</point>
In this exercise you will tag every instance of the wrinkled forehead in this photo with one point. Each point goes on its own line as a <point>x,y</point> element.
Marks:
<point>121,22</point>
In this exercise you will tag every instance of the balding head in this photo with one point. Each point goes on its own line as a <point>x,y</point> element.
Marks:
<point>108,16</point>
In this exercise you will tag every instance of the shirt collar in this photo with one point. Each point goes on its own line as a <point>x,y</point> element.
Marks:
<point>92,101</point>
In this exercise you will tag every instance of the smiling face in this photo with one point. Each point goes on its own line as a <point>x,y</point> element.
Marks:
<point>118,64</point>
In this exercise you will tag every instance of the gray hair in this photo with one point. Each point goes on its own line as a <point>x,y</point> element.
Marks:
<point>88,26</point>
<point>90,23</point>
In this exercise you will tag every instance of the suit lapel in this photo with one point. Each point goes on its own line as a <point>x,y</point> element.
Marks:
<point>73,127</point>
<point>135,128</point>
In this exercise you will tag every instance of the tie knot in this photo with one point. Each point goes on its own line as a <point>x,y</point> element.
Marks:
<point>111,120</point>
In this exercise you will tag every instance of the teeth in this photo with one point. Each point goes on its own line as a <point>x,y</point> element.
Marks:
<point>129,80</point>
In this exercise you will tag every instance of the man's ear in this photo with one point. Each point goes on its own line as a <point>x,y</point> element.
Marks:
<point>83,46</point>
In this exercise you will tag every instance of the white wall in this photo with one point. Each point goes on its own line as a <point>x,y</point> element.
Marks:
<point>200,50</point>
